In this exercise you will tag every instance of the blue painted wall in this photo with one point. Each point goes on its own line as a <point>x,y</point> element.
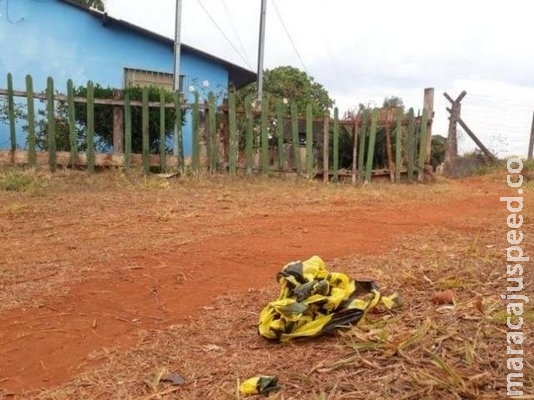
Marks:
<point>51,38</point>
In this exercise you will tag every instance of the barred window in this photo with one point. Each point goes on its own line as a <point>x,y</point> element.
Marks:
<point>141,77</point>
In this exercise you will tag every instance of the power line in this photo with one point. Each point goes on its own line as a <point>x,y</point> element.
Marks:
<point>223,34</point>
<point>241,46</point>
<point>289,37</point>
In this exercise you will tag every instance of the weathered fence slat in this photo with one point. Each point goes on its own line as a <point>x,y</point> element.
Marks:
<point>212,134</point>
<point>354,151</point>
<point>295,137</point>
<point>195,155</point>
<point>249,139</point>
<point>371,148</point>
<point>280,134</point>
<point>178,134</point>
<point>90,127</point>
<point>335,146</point>
<point>72,123</point>
<point>234,138</point>
<point>162,144</point>
<point>11,113</point>
<point>398,147</point>
<point>127,132</point>
<point>32,139</point>
<point>422,146</point>
<point>265,136</point>
<point>326,150</point>
<point>361,153</point>
<point>309,141</point>
<point>51,124</point>
<point>410,144</point>
<point>145,131</point>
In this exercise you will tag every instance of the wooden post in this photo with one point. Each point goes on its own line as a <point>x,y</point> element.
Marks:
<point>145,131</point>
<point>295,138</point>
<point>428,107</point>
<point>477,141</point>
<point>72,124</point>
<point>249,139</point>
<point>371,149</point>
<point>234,138</point>
<point>162,147</point>
<point>354,150</point>
<point>361,154</point>
<point>451,151</point>
<point>51,127</point>
<point>335,145</point>
<point>280,133</point>
<point>195,156</point>
<point>212,134</point>
<point>411,144</point>
<point>389,147</point>
<point>179,145</point>
<point>32,139</point>
<point>11,116</point>
<point>398,147</point>
<point>265,136</point>
<point>531,141</point>
<point>309,141</point>
<point>326,150</point>
<point>118,124</point>
<point>127,132</point>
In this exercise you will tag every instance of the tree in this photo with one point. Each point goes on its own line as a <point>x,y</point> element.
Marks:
<point>439,144</point>
<point>289,84</point>
<point>98,4</point>
<point>391,105</point>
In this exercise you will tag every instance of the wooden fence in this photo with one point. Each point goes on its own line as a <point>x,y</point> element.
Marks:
<point>228,139</point>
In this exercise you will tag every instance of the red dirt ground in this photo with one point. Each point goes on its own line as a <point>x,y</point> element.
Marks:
<point>152,286</point>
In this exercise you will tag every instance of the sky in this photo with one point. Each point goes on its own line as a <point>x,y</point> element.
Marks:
<point>364,51</point>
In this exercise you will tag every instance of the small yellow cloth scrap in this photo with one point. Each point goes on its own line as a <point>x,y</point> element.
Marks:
<point>262,384</point>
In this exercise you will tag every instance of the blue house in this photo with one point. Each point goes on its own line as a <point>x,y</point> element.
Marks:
<point>61,39</point>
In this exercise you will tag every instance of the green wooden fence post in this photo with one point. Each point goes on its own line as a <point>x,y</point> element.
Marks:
<point>371,148</point>
<point>335,147</point>
<point>309,141</point>
<point>145,130</point>
<point>11,113</point>
<point>162,144</point>
<point>32,139</point>
<point>422,145</point>
<point>90,126</point>
<point>361,150</point>
<point>398,147</point>
<point>179,145</point>
<point>411,144</point>
<point>51,124</point>
<point>264,136</point>
<point>295,137</point>
<point>212,133</point>
<point>127,131</point>
<point>72,123</point>
<point>249,136</point>
<point>234,136</point>
<point>195,139</point>
<point>280,134</point>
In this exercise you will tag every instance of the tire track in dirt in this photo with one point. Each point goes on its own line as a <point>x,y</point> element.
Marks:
<point>50,345</point>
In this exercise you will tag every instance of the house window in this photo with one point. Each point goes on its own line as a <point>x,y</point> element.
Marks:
<point>141,77</point>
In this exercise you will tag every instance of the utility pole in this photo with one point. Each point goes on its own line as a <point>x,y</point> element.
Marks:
<point>177,46</point>
<point>261,46</point>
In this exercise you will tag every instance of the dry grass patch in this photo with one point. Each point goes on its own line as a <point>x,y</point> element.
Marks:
<point>422,351</point>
